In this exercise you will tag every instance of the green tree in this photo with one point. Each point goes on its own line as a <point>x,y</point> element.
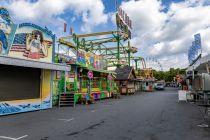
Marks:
<point>168,75</point>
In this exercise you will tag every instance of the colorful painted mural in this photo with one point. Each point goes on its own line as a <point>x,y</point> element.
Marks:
<point>91,60</point>
<point>26,41</point>
<point>11,108</point>
<point>32,42</point>
<point>7,28</point>
<point>19,106</point>
<point>46,89</point>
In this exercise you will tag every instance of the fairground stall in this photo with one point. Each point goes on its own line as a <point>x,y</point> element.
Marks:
<point>26,66</point>
<point>148,83</point>
<point>144,76</point>
<point>139,84</point>
<point>198,80</point>
<point>198,77</point>
<point>90,55</point>
<point>126,79</point>
<point>88,77</point>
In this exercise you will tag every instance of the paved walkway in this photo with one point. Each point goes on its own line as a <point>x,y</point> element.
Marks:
<point>144,116</point>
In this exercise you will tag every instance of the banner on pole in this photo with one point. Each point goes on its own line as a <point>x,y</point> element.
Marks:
<point>195,49</point>
<point>123,22</point>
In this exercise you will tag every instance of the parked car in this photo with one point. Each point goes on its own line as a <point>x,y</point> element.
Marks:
<point>173,85</point>
<point>159,86</point>
<point>168,84</point>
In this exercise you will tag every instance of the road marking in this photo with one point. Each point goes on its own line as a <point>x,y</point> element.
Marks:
<point>93,111</point>
<point>106,105</point>
<point>22,137</point>
<point>10,138</point>
<point>66,120</point>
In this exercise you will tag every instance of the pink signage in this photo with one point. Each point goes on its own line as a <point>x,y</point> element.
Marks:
<point>90,74</point>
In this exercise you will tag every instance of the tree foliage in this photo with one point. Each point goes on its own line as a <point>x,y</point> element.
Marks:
<point>168,76</point>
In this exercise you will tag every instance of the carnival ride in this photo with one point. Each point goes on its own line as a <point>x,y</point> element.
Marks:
<point>94,53</point>
<point>113,48</point>
<point>101,44</point>
<point>88,53</point>
<point>144,67</point>
<point>154,63</point>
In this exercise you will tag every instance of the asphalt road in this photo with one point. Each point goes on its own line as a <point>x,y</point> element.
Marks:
<point>143,116</point>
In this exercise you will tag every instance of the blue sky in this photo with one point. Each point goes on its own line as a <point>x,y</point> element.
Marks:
<point>68,14</point>
<point>162,29</point>
<point>168,2</point>
<point>110,6</point>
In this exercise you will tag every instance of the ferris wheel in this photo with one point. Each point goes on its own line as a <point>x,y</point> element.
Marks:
<point>153,63</point>
<point>148,62</point>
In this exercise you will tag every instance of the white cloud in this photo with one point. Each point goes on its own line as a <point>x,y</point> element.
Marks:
<point>48,12</point>
<point>145,14</point>
<point>157,48</point>
<point>73,19</point>
<point>168,34</point>
<point>163,35</point>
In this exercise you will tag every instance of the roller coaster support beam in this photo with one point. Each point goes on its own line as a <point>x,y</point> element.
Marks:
<point>129,54</point>
<point>136,61</point>
<point>118,48</point>
<point>121,52</point>
<point>110,48</point>
<point>92,34</point>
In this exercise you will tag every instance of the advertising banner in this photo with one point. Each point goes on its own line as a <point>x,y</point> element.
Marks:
<point>25,41</point>
<point>7,29</point>
<point>91,60</point>
<point>32,42</point>
<point>123,22</point>
<point>195,50</point>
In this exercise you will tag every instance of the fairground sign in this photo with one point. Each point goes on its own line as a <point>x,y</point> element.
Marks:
<point>123,22</point>
<point>195,50</point>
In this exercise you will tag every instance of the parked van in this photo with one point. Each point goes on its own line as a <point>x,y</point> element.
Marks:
<point>159,86</point>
